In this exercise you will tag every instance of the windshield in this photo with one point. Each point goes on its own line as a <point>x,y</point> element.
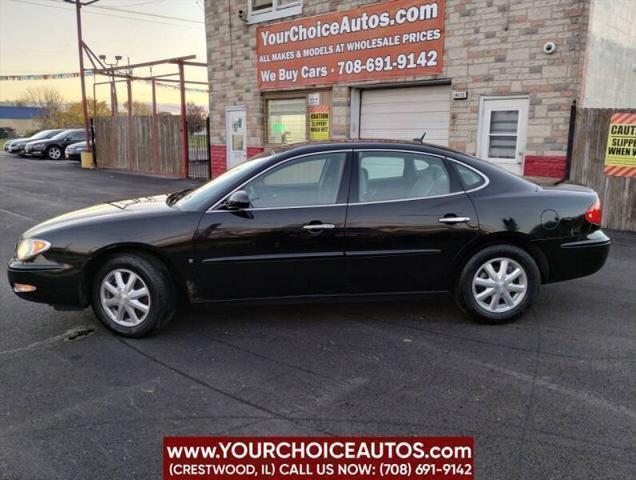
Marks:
<point>203,196</point>
<point>42,134</point>
<point>62,134</point>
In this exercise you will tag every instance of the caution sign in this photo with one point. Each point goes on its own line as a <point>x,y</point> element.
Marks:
<point>620,157</point>
<point>319,122</point>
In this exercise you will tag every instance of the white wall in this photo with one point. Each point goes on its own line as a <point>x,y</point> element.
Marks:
<point>610,69</point>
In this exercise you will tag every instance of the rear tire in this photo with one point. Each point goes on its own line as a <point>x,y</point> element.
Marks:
<point>133,294</point>
<point>498,284</point>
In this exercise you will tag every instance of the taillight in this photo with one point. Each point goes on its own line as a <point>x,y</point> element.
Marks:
<point>594,214</point>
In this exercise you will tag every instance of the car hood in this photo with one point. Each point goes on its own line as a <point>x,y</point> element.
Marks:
<point>21,141</point>
<point>103,212</point>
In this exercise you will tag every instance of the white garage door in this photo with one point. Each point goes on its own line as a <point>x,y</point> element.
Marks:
<point>406,113</point>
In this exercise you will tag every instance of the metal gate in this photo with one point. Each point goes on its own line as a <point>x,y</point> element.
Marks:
<point>199,161</point>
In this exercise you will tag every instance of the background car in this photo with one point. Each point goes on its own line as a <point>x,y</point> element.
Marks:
<point>74,151</point>
<point>53,147</point>
<point>336,220</point>
<point>17,145</point>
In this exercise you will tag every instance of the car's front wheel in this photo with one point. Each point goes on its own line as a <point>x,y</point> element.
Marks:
<point>54,153</point>
<point>133,294</point>
<point>498,283</point>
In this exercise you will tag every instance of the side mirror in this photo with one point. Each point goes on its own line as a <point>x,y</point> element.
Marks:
<point>238,201</point>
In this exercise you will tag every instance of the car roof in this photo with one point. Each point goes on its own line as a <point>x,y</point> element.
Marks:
<point>364,143</point>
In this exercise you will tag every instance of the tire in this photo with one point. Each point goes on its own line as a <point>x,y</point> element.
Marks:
<point>54,153</point>
<point>134,320</point>
<point>483,293</point>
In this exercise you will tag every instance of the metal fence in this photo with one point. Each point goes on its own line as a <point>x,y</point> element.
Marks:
<point>617,194</point>
<point>199,148</point>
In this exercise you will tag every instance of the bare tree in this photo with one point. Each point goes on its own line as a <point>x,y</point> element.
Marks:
<point>50,101</point>
<point>195,114</point>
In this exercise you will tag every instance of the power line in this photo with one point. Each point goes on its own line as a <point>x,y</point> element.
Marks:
<point>136,12</point>
<point>104,14</point>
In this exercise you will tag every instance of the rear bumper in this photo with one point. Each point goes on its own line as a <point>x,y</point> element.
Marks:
<point>58,285</point>
<point>576,259</point>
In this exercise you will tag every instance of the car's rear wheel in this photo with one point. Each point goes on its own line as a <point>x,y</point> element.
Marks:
<point>54,153</point>
<point>133,294</point>
<point>498,283</point>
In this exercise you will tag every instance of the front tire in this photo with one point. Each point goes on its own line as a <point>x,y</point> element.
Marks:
<point>133,295</point>
<point>498,284</point>
<point>54,153</point>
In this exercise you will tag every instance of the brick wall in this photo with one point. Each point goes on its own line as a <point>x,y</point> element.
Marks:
<point>492,47</point>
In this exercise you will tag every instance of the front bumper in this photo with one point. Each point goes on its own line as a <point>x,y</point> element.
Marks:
<point>59,285</point>
<point>33,151</point>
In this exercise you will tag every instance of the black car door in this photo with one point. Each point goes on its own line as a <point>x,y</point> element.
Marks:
<point>289,242</point>
<point>408,218</point>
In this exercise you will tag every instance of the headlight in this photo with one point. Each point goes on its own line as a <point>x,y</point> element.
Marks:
<point>29,248</point>
<point>37,145</point>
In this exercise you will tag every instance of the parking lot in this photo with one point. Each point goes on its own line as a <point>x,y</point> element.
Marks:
<point>550,396</point>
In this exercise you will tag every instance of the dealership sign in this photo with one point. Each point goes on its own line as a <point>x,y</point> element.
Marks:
<point>386,40</point>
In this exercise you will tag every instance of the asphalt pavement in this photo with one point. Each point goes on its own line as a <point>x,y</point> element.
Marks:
<point>550,396</point>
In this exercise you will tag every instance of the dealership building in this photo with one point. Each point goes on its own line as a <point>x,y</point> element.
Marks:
<point>493,78</point>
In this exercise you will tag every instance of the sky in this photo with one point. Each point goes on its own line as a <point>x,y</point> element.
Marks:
<point>40,36</point>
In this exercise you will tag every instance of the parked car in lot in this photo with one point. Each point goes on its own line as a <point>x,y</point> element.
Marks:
<point>352,219</point>
<point>17,145</point>
<point>53,147</point>
<point>74,150</point>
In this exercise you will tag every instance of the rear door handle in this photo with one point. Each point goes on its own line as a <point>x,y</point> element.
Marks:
<point>454,220</point>
<point>319,226</point>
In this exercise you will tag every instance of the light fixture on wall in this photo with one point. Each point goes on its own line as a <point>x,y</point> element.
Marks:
<point>549,48</point>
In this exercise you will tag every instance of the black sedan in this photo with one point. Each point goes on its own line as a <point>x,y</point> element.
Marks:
<point>353,219</point>
<point>53,147</point>
<point>17,146</point>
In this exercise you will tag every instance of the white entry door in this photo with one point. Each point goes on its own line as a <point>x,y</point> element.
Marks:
<point>236,136</point>
<point>503,129</point>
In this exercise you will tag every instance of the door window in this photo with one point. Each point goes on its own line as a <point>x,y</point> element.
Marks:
<point>387,176</point>
<point>307,181</point>
<point>502,137</point>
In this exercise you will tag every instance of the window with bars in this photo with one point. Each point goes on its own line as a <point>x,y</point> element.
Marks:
<point>503,132</point>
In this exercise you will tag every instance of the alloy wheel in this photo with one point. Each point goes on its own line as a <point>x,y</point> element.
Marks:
<point>55,153</point>
<point>125,297</point>
<point>500,285</point>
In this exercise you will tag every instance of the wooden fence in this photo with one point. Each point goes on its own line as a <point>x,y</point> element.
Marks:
<point>127,144</point>
<point>617,194</point>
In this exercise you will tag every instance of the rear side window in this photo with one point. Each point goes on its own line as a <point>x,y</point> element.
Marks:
<point>469,178</point>
<point>386,176</point>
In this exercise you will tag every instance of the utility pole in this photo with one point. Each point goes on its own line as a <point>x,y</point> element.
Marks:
<point>80,46</point>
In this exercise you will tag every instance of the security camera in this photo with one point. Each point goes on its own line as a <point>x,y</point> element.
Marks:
<point>242,15</point>
<point>549,48</point>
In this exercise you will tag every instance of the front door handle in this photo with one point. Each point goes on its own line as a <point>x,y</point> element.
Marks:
<point>452,220</point>
<point>319,226</point>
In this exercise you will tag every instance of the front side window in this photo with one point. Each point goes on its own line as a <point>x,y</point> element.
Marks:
<point>384,176</point>
<point>264,10</point>
<point>306,181</point>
